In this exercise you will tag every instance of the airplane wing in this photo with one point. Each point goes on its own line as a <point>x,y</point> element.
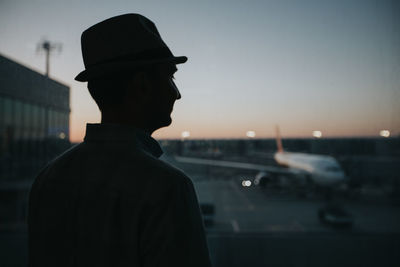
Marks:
<point>233,164</point>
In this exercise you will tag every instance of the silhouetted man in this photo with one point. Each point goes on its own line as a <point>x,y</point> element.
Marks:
<point>110,201</point>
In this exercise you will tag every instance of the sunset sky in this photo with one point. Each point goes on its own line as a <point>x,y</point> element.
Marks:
<point>332,66</point>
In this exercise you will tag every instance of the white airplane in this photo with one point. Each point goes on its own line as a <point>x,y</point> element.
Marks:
<point>323,171</point>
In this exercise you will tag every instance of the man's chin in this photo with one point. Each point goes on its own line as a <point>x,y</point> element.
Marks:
<point>168,122</point>
<point>164,123</point>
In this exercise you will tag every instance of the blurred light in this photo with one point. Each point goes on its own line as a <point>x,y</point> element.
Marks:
<point>185,134</point>
<point>384,133</point>
<point>251,134</point>
<point>246,183</point>
<point>317,134</point>
<point>62,135</point>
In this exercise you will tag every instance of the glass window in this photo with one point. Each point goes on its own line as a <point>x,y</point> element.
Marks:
<point>59,128</point>
<point>8,125</point>
<point>53,123</point>
<point>34,121</point>
<point>18,119</point>
<point>66,123</point>
<point>41,122</point>
<point>1,111</point>
<point>8,111</point>
<point>27,121</point>
<point>2,126</point>
<point>18,113</point>
<point>326,71</point>
<point>49,121</point>
<point>64,120</point>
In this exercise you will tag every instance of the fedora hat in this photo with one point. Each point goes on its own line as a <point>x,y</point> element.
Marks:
<point>121,43</point>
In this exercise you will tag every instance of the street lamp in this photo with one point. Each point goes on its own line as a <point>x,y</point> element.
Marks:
<point>185,134</point>
<point>384,133</point>
<point>251,134</point>
<point>317,134</point>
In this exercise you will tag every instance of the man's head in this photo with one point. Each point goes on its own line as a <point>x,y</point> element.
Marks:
<point>129,70</point>
<point>142,97</point>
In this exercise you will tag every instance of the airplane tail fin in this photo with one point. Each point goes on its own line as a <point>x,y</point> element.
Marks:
<point>278,140</point>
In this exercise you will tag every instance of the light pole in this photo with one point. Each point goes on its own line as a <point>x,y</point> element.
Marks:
<point>48,48</point>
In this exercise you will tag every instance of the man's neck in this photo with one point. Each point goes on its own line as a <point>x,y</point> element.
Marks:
<point>120,120</point>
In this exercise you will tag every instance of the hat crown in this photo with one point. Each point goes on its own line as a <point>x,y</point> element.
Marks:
<point>121,43</point>
<point>119,37</point>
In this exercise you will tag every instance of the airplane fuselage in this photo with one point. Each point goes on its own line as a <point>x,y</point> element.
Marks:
<point>322,170</point>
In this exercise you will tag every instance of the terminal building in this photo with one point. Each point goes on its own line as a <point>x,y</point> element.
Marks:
<point>34,127</point>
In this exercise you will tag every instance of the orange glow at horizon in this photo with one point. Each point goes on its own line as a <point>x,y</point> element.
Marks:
<point>236,132</point>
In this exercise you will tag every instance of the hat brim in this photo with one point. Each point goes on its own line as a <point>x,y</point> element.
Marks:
<point>112,67</point>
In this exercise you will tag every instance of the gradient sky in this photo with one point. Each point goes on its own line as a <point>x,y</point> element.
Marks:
<point>332,66</point>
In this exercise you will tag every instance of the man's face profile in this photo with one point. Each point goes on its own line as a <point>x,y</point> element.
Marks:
<point>165,93</point>
<point>160,94</point>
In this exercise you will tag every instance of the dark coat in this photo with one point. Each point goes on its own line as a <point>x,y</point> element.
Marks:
<point>110,201</point>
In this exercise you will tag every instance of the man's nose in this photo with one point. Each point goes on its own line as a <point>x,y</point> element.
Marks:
<point>178,94</point>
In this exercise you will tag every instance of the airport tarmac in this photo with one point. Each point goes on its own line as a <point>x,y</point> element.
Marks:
<point>258,227</point>
<point>254,209</point>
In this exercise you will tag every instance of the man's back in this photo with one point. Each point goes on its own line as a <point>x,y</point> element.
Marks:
<point>111,202</point>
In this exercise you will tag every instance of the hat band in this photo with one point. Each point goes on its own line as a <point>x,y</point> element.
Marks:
<point>151,54</point>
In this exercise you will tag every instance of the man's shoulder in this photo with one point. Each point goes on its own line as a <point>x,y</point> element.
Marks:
<point>60,159</point>
<point>125,169</point>
<point>68,153</point>
<point>164,181</point>
<point>161,170</point>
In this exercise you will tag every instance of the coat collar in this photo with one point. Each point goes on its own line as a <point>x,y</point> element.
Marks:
<point>96,132</point>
